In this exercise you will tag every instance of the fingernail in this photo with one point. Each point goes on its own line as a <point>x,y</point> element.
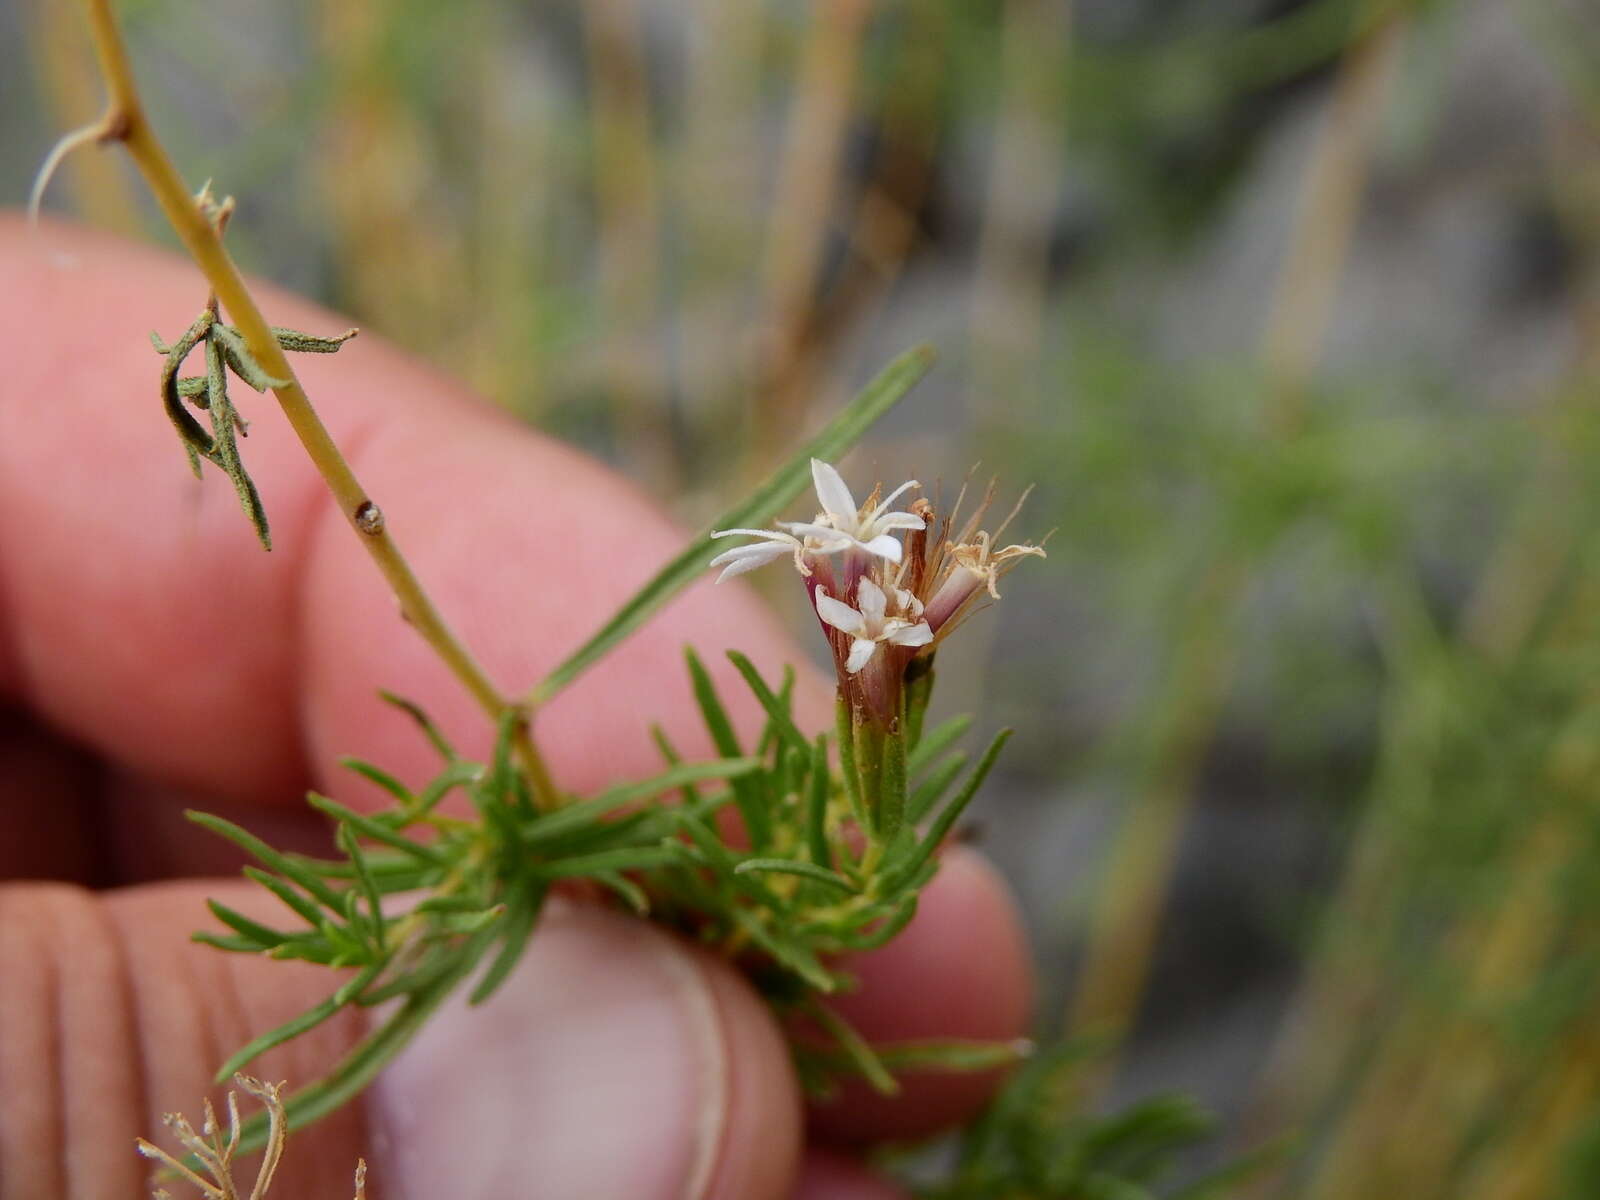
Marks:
<point>599,1069</point>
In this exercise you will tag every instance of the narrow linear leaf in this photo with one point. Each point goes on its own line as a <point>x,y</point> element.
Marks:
<point>394,872</point>
<point>376,830</point>
<point>790,953</point>
<point>554,825</point>
<point>629,858</point>
<point>787,482</point>
<point>235,945</point>
<point>952,1054</point>
<point>308,912</point>
<point>777,707</point>
<point>885,931</point>
<point>292,1029</point>
<point>936,742</point>
<point>253,931</point>
<point>380,777</point>
<point>424,723</point>
<point>268,857</point>
<point>523,906</point>
<point>457,774</point>
<point>818,787</point>
<point>854,1049</point>
<point>746,794</point>
<point>789,866</point>
<point>369,886</point>
<point>305,343</point>
<point>949,815</point>
<point>927,793</point>
<point>631,893</point>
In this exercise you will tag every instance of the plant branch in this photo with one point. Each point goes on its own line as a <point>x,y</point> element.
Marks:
<point>125,121</point>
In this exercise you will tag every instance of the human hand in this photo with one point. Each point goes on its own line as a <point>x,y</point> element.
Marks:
<point>153,659</point>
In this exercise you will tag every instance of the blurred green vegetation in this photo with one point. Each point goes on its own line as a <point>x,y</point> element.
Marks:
<point>1287,308</point>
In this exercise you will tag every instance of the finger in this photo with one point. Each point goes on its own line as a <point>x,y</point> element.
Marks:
<point>614,1062</point>
<point>959,970</point>
<point>825,1175</point>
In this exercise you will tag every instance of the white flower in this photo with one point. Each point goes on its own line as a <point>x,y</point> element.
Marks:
<point>841,525</point>
<point>870,625</point>
<point>757,554</point>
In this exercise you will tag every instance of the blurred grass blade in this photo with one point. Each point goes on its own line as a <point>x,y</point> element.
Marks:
<point>761,506</point>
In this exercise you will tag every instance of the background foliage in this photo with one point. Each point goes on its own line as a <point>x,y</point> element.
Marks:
<point>1288,307</point>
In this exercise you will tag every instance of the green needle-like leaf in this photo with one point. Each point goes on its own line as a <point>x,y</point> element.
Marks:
<point>747,794</point>
<point>270,858</point>
<point>926,794</point>
<point>936,742</point>
<point>777,707</point>
<point>818,787</point>
<point>376,830</point>
<point>307,1020</point>
<point>948,816</point>
<point>790,866</point>
<point>523,905</point>
<point>761,506</point>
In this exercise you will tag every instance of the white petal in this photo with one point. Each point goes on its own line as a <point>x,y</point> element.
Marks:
<point>890,498</point>
<point>871,601</point>
<point>823,533</point>
<point>770,534</point>
<point>907,603</point>
<point>861,652</point>
<point>831,490</point>
<point>919,634</point>
<point>886,546</point>
<point>899,520</point>
<point>838,614</point>
<point>747,558</point>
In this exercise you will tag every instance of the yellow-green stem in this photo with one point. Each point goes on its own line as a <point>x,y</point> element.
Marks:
<point>125,121</point>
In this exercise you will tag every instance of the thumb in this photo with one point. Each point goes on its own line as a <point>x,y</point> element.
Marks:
<point>615,1061</point>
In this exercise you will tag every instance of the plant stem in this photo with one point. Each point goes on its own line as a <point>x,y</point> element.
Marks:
<point>125,121</point>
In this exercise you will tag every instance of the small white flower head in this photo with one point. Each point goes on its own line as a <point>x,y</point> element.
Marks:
<point>869,623</point>
<point>841,525</point>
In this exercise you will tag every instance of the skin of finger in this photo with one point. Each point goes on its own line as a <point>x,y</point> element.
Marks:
<point>828,1175</point>
<point>140,1017</point>
<point>959,970</point>
<point>111,1017</point>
